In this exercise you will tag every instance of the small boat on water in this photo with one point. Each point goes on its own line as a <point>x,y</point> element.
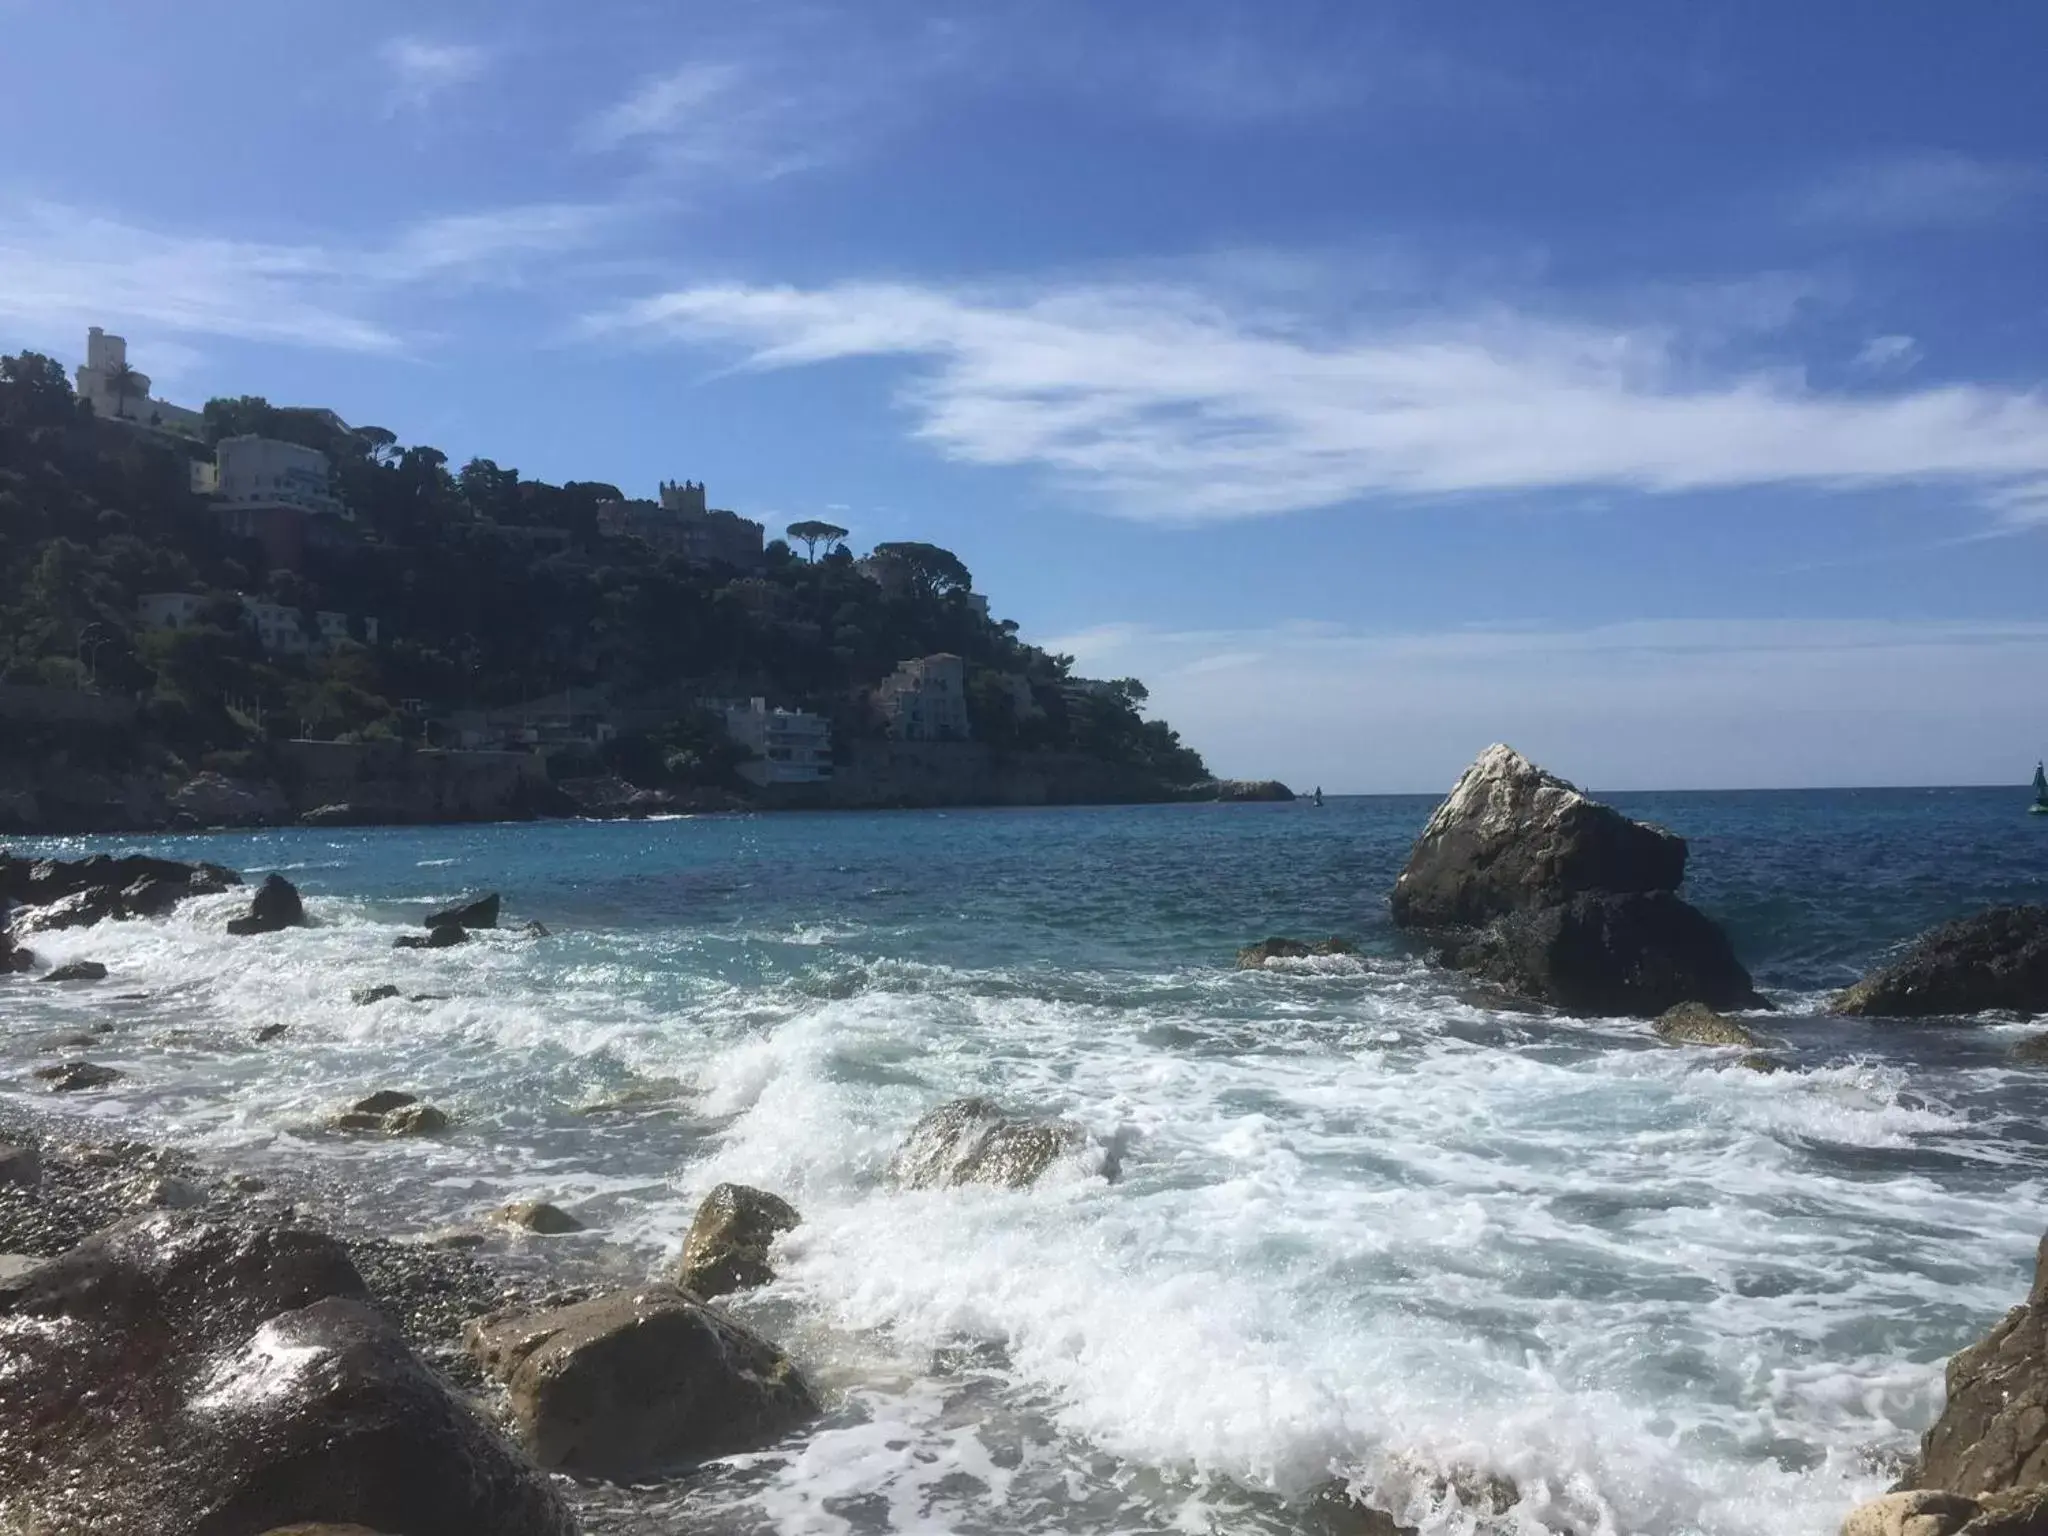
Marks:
<point>2040,805</point>
<point>1319,791</point>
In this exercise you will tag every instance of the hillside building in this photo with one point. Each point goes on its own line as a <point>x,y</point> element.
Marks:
<point>119,393</point>
<point>925,699</point>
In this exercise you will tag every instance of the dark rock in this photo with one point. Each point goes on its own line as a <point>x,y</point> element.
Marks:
<point>392,1114</point>
<point>481,913</point>
<point>177,1375</point>
<point>727,1249</point>
<point>633,1382</point>
<point>76,1076</point>
<point>213,800</point>
<point>383,1101</point>
<point>1992,1436</point>
<point>972,1141</point>
<point>1511,837</point>
<point>70,1040</point>
<point>270,1032</point>
<point>1243,790</point>
<point>536,1216</point>
<point>1602,953</point>
<point>20,1165</point>
<point>1254,956</point>
<point>1697,1024</point>
<point>362,996</point>
<point>274,907</point>
<point>1995,959</point>
<point>2032,1050</point>
<point>2012,1512</point>
<point>77,970</point>
<point>446,936</point>
<point>39,882</point>
<point>534,928</point>
<point>1757,1061</point>
<point>13,957</point>
<point>79,909</point>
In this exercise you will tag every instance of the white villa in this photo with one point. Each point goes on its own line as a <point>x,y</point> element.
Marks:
<point>119,393</point>
<point>790,746</point>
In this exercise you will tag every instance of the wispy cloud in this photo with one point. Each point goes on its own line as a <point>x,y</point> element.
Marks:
<point>422,68</point>
<point>1887,354</point>
<point>1930,189</point>
<point>1176,405</point>
<point>62,268</point>
<point>1706,702</point>
<point>743,121</point>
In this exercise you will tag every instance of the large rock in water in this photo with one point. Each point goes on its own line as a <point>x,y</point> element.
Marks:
<point>973,1141</point>
<point>727,1249</point>
<point>1992,1436</point>
<point>637,1381</point>
<point>174,1375</point>
<point>1512,837</point>
<point>274,907</point>
<point>481,913</point>
<point>1995,959</point>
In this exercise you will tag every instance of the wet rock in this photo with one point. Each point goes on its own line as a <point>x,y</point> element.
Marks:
<point>1757,1061</point>
<point>1997,958</point>
<point>2033,1049</point>
<point>2013,1512</point>
<point>13,957</point>
<point>1332,1511</point>
<point>274,907</point>
<point>481,913</point>
<point>1697,1024</point>
<point>727,1248</point>
<point>38,882</point>
<point>22,1166</point>
<point>363,996</point>
<point>629,1383</point>
<point>446,936</point>
<point>1254,956</point>
<point>80,909</point>
<point>973,1141</point>
<point>1992,1435</point>
<point>77,970</point>
<point>1511,837</point>
<point>72,1040</point>
<point>415,1120</point>
<point>178,1375</point>
<point>535,929</point>
<point>1607,954</point>
<point>270,1032</point>
<point>163,1193</point>
<point>392,1114</point>
<point>76,1077</point>
<point>536,1216</point>
<point>1921,1512</point>
<point>214,800</point>
<point>383,1101</point>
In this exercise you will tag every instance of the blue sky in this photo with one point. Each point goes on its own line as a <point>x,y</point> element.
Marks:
<point>1659,387</point>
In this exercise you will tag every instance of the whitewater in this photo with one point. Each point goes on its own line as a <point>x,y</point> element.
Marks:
<point>1343,1217</point>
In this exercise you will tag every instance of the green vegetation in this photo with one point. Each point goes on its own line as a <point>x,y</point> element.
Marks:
<point>489,590</point>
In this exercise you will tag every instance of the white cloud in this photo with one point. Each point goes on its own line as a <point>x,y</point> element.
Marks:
<point>1888,354</point>
<point>1702,703</point>
<point>1168,404</point>
<point>422,68</point>
<point>62,269</point>
<point>1929,189</point>
<point>722,117</point>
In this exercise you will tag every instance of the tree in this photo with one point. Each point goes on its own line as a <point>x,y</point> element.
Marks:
<point>238,416</point>
<point>380,444</point>
<point>126,385</point>
<point>34,391</point>
<point>1130,690</point>
<point>811,533</point>
<point>929,570</point>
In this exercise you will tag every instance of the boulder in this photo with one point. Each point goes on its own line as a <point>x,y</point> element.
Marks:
<point>447,936</point>
<point>2033,1050</point>
<point>2014,1512</point>
<point>534,928</point>
<point>1997,958</point>
<point>1918,1512</point>
<point>634,1382</point>
<point>727,1249</point>
<point>382,1102</point>
<point>393,1114</point>
<point>177,1375</point>
<point>13,957</point>
<point>20,1165</point>
<point>78,909</point>
<point>1512,837</point>
<point>481,913</point>
<point>76,1076</point>
<point>38,882</point>
<point>973,1141</point>
<point>536,1216</point>
<point>1606,953</point>
<point>271,1032</point>
<point>1254,956</point>
<point>362,996</point>
<point>77,970</point>
<point>274,907</point>
<point>1697,1024</point>
<point>1992,1436</point>
<point>214,800</point>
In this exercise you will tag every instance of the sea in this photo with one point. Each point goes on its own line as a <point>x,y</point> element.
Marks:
<point>1339,1218</point>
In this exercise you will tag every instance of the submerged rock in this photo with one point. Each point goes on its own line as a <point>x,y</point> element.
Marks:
<point>274,907</point>
<point>534,928</point>
<point>973,1141</point>
<point>1697,1024</point>
<point>76,1076</point>
<point>362,996</point>
<point>447,936</point>
<point>78,970</point>
<point>631,1383</point>
<point>727,1248</point>
<point>1511,837</point>
<point>392,1113</point>
<point>536,1216</point>
<point>1254,956</point>
<point>1997,958</point>
<point>481,913</point>
<point>175,1375</point>
<point>270,1032</point>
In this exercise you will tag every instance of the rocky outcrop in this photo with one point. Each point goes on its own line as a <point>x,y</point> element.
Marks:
<point>175,1375</point>
<point>2032,1050</point>
<point>1918,1512</point>
<point>1244,790</point>
<point>274,907</point>
<point>536,1216</point>
<point>638,1381</point>
<point>446,936</point>
<point>392,1113</point>
<point>214,800</point>
<point>1992,1435</point>
<point>1254,956</point>
<point>77,970</point>
<point>76,1076</point>
<point>1997,958</point>
<point>1697,1024</point>
<point>20,1166</point>
<point>974,1141</point>
<point>363,996</point>
<point>13,957</point>
<point>481,913</point>
<point>727,1249</point>
<point>74,893</point>
<point>1526,883</point>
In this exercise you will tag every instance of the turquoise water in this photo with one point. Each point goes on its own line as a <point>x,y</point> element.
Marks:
<point>1364,1224</point>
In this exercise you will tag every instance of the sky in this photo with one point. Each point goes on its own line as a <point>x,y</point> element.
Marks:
<point>1658,387</point>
